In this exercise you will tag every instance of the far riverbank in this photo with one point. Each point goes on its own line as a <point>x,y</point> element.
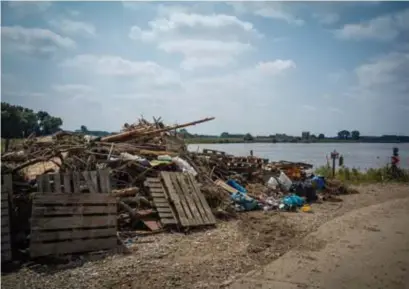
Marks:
<point>356,155</point>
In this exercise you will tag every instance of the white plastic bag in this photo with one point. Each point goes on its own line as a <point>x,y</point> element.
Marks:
<point>285,181</point>
<point>184,166</point>
<point>130,157</point>
<point>272,183</point>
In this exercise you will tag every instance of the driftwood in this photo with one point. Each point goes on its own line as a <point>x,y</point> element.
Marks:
<point>140,133</point>
<point>128,192</point>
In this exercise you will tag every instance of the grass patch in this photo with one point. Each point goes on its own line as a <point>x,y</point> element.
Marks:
<point>384,174</point>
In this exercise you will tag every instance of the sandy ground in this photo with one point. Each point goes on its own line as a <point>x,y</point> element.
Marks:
<point>242,249</point>
<point>365,248</point>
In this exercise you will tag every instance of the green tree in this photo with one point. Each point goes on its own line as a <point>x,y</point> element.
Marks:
<point>224,135</point>
<point>344,134</point>
<point>321,136</point>
<point>18,122</point>
<point>355,134</point>
<point>248,137</point>
<point>83,129</point>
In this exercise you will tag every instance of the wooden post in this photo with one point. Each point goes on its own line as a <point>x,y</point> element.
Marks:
<point>334,156</point>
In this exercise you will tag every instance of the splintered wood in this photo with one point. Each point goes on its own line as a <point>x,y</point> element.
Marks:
<point>71,223</point>
<point>75,182</point>
<point>187,200</point>
<point>6,191</point>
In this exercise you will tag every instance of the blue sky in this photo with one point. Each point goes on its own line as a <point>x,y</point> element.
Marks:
<point>258,67</point>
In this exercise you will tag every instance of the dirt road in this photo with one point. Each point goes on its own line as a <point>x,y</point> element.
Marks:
<point>218,257</point>
<point>365,248</point>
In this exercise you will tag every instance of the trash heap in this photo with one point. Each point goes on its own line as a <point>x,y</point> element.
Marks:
<point>143,151</point>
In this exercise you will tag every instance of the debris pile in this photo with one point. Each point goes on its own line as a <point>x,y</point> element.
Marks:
<point>156,180</point>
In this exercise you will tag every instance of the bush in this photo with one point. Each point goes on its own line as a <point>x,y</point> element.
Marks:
<point>384,174</point>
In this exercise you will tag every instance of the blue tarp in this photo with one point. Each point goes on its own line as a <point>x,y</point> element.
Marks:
<point>293,201</point>
<point>245,201</point>
<point>241,198</point>
<point>319,182</point>
<point>235,185</point>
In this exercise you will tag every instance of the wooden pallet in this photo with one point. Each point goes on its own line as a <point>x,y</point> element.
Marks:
<point>75,182</point>
<point>6,193</point>
<point>161,201</point>
<point>213,152</point>
<point>72,223</point>
<point>190,205</point>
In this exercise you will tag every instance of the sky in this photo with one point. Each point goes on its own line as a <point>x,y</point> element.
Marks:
<point>257,67</point>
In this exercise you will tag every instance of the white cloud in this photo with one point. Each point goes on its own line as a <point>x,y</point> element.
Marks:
<point>388,70</point>
<point>73,88</point>
<point>275,66</point>
<point>205,53</point>
<point>173,25</point>
<point>213,40</point>
<point>72,27</point>
<point>326,18</point>
<point>382,28</point>
<point>24,8</point>
<point>145,71</point>
<point>76,92</point>
<point>273,10</point>
<point>74,13</point>
<point>35,40</point>
<point>241,81</point>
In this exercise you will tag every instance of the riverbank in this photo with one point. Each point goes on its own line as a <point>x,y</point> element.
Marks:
<point>361,156</point>
<point>268,140</point>
<point>206,259</point>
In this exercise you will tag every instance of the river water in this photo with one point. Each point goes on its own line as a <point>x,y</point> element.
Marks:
<point>359,155</point>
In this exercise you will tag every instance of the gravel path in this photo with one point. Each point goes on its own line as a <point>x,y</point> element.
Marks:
<point>206,259</point>
<point>365,248</point>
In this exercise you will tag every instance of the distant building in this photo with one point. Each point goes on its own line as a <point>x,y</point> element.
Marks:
<point>305,135</point>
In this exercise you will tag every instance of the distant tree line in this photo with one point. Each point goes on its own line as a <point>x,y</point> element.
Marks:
<point>99,133</point>
<point>345,134</point>
<point>19,122</point>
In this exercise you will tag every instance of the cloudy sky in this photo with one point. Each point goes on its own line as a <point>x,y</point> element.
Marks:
<point>263,68</point>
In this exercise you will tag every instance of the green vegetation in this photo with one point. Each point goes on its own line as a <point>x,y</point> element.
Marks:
<point>384,174</point>
<point>97,133</point>
<point>19,122</point>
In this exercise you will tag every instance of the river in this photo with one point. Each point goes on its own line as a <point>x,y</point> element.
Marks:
<point>358,155</point>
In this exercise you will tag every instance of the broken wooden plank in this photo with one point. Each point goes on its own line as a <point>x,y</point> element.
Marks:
<point>76,182</point>
<point>44,249</point>
<point>104,181</point>
<point>73,199</point>
<point>183,201</point>
<point>74,210</point>
<point>73,222</point>
<point>40,184</point>
<point>72,235</point>
<point>188,196</point>
<point>57,183</point>
<point>94,180</point>
<point>88,181</point>
<point>67,183</point>
<point>202,199</point>
<point>175,199</point>
<point>197,202</point>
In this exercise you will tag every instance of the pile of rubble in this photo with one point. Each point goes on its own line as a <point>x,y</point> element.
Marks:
<point>142,154</point>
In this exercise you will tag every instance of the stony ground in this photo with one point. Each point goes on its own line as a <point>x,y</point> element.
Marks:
<point>206,259</point>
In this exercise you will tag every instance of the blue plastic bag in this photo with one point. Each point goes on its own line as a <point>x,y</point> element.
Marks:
<point>235,185</point>
<point>245,201</point>
<point>293,201</point>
